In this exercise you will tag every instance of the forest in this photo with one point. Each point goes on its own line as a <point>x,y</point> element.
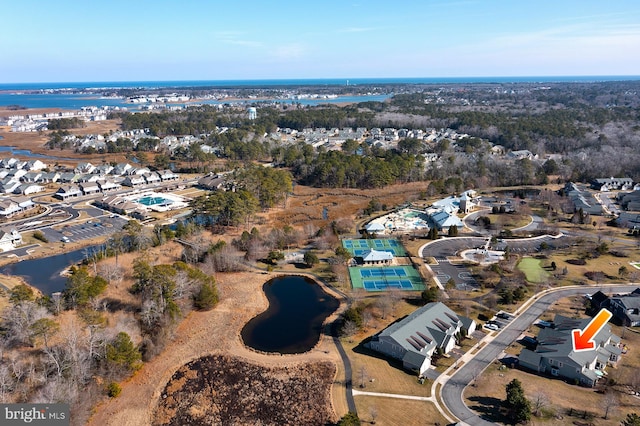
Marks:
<point>588,130</point>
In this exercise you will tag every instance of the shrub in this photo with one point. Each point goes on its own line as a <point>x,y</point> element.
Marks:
<point>38,235</point>
<point>113,390</point>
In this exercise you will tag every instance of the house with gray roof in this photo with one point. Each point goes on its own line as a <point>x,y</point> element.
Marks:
<point>555,355</point>
<point>626,308</point>
<point>68,191</point>
<point>414,339</point>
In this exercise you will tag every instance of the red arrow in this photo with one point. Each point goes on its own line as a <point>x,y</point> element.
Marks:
<point>583,340</point>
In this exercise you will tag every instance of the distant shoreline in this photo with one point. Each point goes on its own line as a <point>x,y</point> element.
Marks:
<point>256,83</point>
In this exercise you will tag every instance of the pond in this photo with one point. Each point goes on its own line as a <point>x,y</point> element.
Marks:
<point>44,273</point>
<point>292,324</point>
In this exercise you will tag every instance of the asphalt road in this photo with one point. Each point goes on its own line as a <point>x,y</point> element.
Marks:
<point>452,390</point>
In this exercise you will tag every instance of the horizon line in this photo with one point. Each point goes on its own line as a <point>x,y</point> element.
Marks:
<point>601,78</point>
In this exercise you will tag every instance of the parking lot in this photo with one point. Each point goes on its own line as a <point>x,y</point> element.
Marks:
<point>445,249</point>
<point>78,231</point>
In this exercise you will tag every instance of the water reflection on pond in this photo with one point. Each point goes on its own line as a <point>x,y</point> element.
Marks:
<point>293,322</point>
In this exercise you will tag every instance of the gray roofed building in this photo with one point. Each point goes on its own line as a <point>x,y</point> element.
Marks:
<point>375,257</point>
<point>415,338</point>
<point>626,308</point>
<point>556,356</point>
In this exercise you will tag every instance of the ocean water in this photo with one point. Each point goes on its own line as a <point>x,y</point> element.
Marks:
<point>305,82</point>
<point>19,93</point>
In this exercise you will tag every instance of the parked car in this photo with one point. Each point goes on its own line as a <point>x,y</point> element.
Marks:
<point>491,326</point>
<point>504,315</point>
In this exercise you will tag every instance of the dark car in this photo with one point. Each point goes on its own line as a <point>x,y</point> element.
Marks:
<point>504,315</point>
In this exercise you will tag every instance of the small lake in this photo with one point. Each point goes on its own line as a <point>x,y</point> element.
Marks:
<point>44,273</point>
<point>293,322</point>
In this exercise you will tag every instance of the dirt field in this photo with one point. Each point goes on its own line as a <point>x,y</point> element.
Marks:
<point>225,390</point>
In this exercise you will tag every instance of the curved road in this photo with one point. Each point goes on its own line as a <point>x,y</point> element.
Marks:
<point>453,388</point>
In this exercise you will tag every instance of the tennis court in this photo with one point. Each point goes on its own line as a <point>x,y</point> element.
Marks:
<point>359,247</point>
<point>384,278</point>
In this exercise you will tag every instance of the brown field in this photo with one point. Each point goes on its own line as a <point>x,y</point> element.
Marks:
<point>397,412</point>
<point>306,204</point>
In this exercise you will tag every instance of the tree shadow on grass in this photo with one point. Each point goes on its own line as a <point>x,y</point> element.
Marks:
<point>488,408</point>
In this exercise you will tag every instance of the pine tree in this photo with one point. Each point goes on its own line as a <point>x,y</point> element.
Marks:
<point>519,408</point>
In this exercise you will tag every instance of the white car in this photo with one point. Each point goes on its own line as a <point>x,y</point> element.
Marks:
<point>491,326</point>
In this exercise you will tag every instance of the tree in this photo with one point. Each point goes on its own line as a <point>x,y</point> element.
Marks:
<point>609,403</point>
<point>540,400</point>
<point>349,328</point>
<point>21,293</point>
<point>431,294</point>
<point>349,419</point>
<point>206,298</point>
<point>311,259</point>
<point>45,328</point>
<point>122,353</point>
<point>632,419</point>
<point>519,408</point>
<point>453,231</point>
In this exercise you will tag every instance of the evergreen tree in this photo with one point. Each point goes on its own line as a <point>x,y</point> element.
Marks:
<point>519,407</point>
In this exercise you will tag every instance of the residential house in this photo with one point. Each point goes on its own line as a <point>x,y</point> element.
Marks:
<point>89,188</point>
<point>9,239</point>
<point>211,182</point>
<point>414,339</point>
<point>521,155</point>
<point>8,208</point>
<point>28,188</point>
<point>84,168</point>
<point>151,178</point>
<point>108,186</point>
<point>581,198</point>
<point>8,185</point>
<point>121,169</point>
<point>556,356</point>
<point>50,177</point>
<point>31,177</point>
<point>624,307</point>
<point>35,165</point>
<point>134,181</point>
<point>69,177</point>
<point>68,191</point>
<point>609,184</point>
<point>167,175</point>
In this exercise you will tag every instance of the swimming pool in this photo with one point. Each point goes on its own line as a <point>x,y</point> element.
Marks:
<point>154,201</point>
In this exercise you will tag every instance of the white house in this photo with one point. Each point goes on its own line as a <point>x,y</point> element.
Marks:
<point>9,239</point>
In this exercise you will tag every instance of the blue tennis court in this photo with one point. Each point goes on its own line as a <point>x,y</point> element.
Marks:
<point>382,272</point>
<point>360,246</point>
<point>403,277</point>
<point>377,285</point>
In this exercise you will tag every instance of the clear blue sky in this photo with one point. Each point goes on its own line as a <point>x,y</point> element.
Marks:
<point>117,40</point>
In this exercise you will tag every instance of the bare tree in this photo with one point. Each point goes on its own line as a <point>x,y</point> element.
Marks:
<point>113,273</point>
<point>540,400</point>
<point>363,376</point>
<point>384,305</point>
<point>609,403</point>
<point>395,297</point>
<point>349,328</point>
<point>373,412</point>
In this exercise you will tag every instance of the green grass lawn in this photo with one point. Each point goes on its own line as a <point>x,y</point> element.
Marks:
<point>532,270</point>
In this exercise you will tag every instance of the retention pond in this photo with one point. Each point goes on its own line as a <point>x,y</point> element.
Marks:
<point>298,307</point>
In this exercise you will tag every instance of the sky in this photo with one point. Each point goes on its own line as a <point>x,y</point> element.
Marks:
<point>159,40</point>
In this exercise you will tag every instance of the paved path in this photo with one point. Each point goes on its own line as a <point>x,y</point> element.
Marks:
<point>453,386</point>
<point>394,395</point>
